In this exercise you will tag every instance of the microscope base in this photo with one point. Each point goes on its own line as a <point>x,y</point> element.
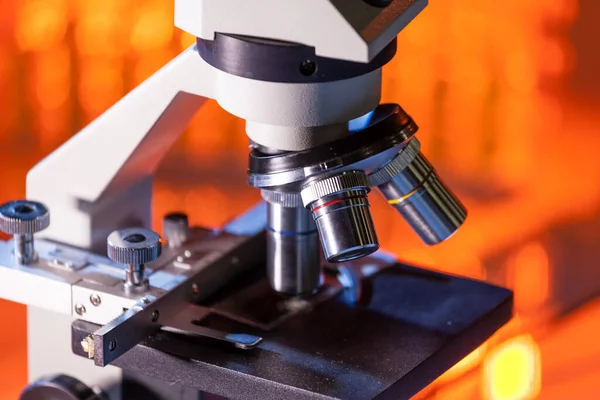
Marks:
<point>409,326</point>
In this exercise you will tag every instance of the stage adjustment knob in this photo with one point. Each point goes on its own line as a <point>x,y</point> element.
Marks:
<point>134,247</point>
<point>23,218</point>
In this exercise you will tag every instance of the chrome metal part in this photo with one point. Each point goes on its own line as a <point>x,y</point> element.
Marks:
<point>62,277</point>
<point>389,128</point>
<point>95,299</point>
<point>176,228</point>
<point>402,160</point>
<point>340,209</point>
<point>218,263</point>
<point>285,199</point>
<point>23,218</point>
<point>317,189</point>
<point>79,309</point>
<point>134,247</point>
<point>293,251</point>
<point>187,322</point>
<point>428,206</point>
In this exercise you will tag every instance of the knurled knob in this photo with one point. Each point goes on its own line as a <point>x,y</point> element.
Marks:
<point>21,217</point>
<point>133,246</point>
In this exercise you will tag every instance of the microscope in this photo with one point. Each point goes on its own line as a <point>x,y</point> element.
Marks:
<point>290,300</point>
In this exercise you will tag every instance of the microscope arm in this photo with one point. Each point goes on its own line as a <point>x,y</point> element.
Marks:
<point>101,179</point>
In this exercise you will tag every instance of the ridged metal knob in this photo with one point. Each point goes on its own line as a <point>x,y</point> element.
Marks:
<point>284,199</point>
<point>22,217</point>
<point>133,246</point>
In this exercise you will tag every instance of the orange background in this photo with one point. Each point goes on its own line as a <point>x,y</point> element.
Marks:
<point>507,95</point>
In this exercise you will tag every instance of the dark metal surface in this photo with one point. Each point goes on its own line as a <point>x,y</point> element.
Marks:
<point>277,61</point>
<point>137,386</point>
<point>410,327</point>
<point>379,3</point>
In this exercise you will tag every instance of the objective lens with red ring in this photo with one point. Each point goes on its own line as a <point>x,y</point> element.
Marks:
<point>340,208</point>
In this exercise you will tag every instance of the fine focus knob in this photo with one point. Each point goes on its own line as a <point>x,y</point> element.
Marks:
<point>133,246</point>
<point>22,217</point>
<point>59,387</point>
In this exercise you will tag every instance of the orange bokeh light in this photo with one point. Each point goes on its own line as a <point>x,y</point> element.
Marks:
<point>41,24</point>
<point>512,371</point>
<point>530,268</point>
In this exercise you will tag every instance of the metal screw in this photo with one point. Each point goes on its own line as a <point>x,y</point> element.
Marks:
<point>155,315</point>
<point>23,218</point>
<point>79,308</point>
<point>195,288</point>
<point>95,299</point>
<point>134,247</point>
<point>112,345</point>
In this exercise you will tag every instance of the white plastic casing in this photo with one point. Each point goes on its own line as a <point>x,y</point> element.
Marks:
<point>349,30</point>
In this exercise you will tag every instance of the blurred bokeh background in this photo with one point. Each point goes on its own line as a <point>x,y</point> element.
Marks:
<point>507,95</point>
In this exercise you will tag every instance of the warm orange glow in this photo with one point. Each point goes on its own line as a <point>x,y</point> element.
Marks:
<point>530,267</point>
<point>464,389</point>
<point>101,84</point>
<point>101,27</point>
<point>51,79</point>
<point>512,371</point>
<point>465,365</point>
<point>206,136</point>
<point>148,66</point>
<point>186,40</point>
<point>41,23</point>
<point>153,28</point>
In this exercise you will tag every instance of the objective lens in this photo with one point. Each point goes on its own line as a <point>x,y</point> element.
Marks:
<point>340,208</point>
<point>293,262</point>
<point>428,206</point>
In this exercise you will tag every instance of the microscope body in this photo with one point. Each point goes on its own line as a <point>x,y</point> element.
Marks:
<point>306,77</point>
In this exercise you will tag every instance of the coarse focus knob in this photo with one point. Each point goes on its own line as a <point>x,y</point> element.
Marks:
<point>133,246</point>
<point>59,387</point>
<point>21,217</point>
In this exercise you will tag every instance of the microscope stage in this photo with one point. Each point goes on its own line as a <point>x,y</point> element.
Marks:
<point>410,326</point>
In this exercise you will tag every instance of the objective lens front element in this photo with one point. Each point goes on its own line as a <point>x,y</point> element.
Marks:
<point>340,208</point>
